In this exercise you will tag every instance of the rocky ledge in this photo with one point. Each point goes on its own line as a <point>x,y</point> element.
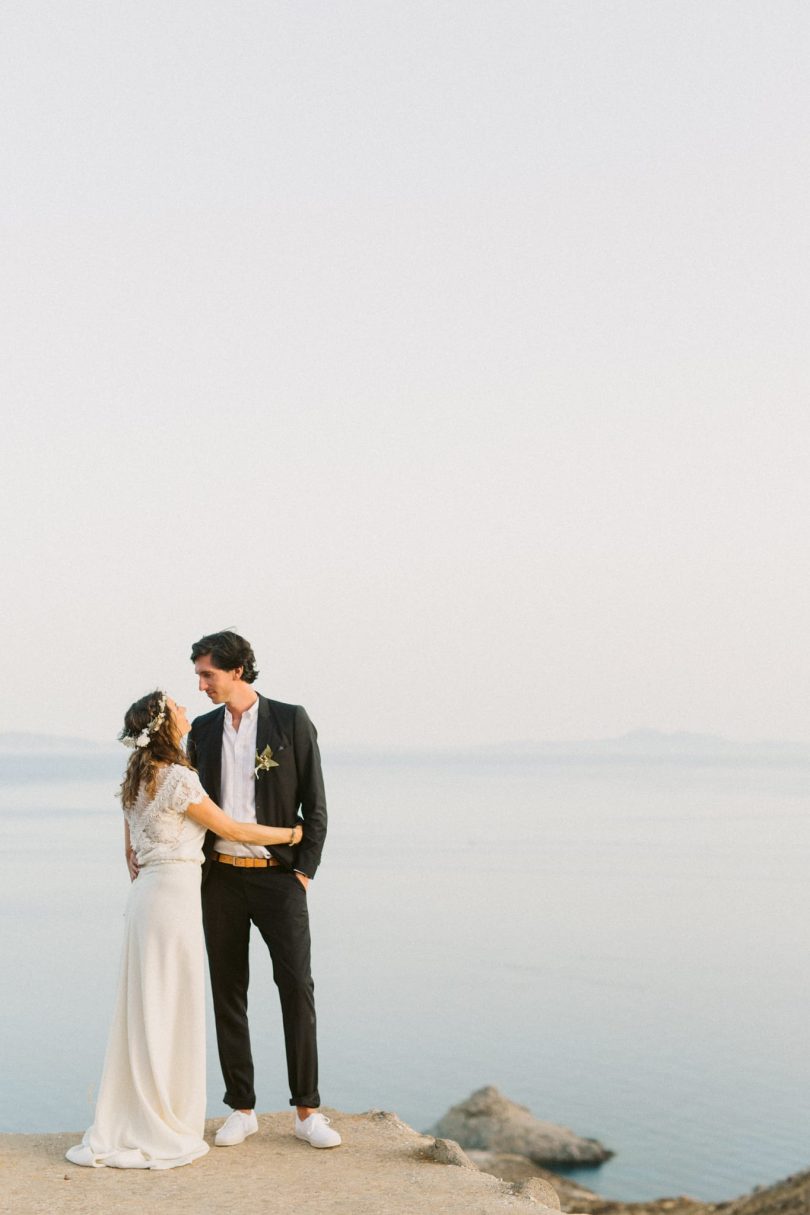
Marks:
<point>383,1167</point>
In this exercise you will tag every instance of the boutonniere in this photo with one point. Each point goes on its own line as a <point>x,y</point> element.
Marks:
<point>264,762</point>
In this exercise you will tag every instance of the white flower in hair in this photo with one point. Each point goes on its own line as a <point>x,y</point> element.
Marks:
<point>129,740</point>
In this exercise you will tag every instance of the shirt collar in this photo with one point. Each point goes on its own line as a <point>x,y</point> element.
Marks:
<point>248,717</point>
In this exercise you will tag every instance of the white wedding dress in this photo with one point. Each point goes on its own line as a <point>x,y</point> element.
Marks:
<point>150,1112</point>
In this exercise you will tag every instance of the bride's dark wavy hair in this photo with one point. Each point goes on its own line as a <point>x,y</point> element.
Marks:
<point>164,747</point>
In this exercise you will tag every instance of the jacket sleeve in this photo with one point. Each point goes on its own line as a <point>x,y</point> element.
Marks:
<point>310,791</point>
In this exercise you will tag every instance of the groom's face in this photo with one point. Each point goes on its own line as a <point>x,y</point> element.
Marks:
<point>217,685</point>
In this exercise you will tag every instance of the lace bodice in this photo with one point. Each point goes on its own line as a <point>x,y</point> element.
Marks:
<point>160,831</point>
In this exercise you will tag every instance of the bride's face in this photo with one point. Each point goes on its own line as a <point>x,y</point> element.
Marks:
<point>179,718</point>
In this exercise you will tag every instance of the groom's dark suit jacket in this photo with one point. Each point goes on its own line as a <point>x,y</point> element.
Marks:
<point>297,782</point>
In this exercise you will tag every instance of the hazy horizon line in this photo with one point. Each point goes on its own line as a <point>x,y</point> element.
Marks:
<point>643,738</point>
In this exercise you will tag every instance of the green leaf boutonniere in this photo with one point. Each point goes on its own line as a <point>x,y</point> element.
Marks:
<point>264,762</point>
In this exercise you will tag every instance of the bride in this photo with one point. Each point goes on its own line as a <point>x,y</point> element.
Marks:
<point>150,1112</point>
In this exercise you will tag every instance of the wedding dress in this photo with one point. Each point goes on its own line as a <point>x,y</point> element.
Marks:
<point>150,1111</point>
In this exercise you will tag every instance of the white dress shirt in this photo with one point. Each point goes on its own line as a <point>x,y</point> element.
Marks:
<point>239,778</point>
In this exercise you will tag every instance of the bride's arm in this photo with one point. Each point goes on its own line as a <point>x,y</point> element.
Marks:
<point>208,814</point>
<point>129,853</point>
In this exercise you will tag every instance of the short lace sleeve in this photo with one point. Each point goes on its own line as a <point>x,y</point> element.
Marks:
<point>187,790</point>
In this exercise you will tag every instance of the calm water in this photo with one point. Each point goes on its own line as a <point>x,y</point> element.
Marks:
<point>623,948</point>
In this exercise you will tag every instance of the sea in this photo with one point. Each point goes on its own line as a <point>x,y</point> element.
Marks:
<point>619,942</point>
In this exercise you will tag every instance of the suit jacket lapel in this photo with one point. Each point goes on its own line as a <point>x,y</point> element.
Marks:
<point>268,734</point>
<point>263,731</point>
<point>214,750</point>
<point>263,725</point>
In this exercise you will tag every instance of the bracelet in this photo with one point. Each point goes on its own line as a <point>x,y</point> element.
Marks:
<point>292,836</point>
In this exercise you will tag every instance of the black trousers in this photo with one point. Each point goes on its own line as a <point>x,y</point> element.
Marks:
<point>275,901</point>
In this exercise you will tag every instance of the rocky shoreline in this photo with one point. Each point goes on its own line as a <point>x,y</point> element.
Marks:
<point>504,1139</point>
<point>383,1168</point>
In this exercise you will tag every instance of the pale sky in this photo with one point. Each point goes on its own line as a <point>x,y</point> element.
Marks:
<point>455,353</point>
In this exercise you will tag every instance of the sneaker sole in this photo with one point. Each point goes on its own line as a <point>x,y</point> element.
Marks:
<point>235,1142</point>
<point>320,1146</point>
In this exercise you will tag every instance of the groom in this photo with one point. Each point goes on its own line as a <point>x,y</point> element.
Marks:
<point>258,759</point>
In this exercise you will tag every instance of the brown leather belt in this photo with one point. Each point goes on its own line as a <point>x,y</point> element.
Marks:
<point>247,862</point>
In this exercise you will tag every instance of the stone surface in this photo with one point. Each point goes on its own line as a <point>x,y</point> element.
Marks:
<point>511,1167</point>
<point>540,1190</point>
<point>489,1121</point>
<point>383,1167</point>
<point>446,1151</point>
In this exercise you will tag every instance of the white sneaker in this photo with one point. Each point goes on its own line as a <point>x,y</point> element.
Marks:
<point>316,1131</point>
<point>236,1128</point>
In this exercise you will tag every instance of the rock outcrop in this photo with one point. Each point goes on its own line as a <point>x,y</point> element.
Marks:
<point>510,1167</point>
<point>383,1168</point>
<point>488,1121</point>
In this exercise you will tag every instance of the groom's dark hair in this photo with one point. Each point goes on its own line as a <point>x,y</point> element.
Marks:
<point>227,651</point>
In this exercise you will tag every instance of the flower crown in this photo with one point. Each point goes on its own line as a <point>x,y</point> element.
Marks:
<point>130,740</point>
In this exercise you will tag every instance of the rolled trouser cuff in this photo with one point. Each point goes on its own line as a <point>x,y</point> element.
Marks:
<point>310,1101</point>
<point>239,1103</point>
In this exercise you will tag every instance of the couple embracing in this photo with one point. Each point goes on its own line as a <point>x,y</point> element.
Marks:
<point>221,816</point>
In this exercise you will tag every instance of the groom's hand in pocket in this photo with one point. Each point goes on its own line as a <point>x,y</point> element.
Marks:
<point>303,879</point>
